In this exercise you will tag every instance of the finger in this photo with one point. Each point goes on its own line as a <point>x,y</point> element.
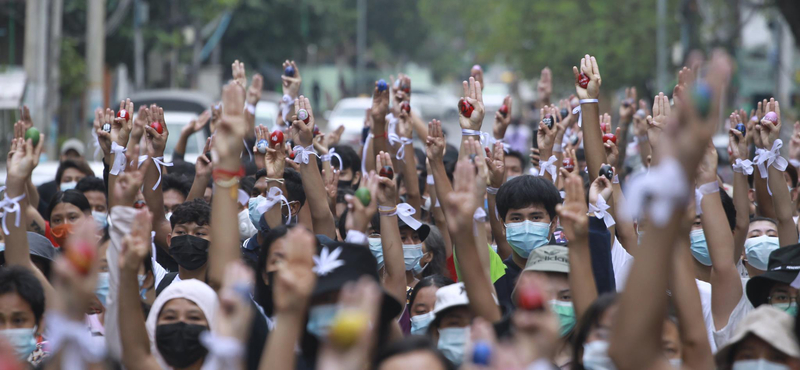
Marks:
<point>465,85</point>
<point>479,91</point>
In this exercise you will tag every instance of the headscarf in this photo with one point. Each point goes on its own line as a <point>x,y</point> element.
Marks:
<point>193,290</point>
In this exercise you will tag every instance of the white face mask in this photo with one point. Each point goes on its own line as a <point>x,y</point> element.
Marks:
<point>595,356</point>
<point>758,250</point>
<point>64,186</point>
<point>760,364</point>
<point>246,228</point>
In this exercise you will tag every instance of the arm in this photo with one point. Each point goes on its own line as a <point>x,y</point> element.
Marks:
<point>781,199</point>
<point>626,111</point>
<point>572,215</point>
<point>592,136</point>
<point>153,195</point>
<point>624,230</point>
<point>546,138</point>
<point>497,174</point>
<point>380,107</point>
<point>413,196</point>
<point>190,129</point>
<point>202,174</point>
<point>441,184</point>
<point>386,190</point>
<point>317,199</point>
<point>740,187</point>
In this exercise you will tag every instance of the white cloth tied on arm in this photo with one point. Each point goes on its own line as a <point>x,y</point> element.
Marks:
<point>702,190</point>
<point>11,205</point>
<point>658,192</point>
<point>159,161</point>
<point>301,154</point>
<point>601,211</point>
<point>332,153</point>
<point>142,158</point>
<point>403,141</point>
<point>223,352</point>
<point>275,195</point>
<point>119,159</point>
<point>286,106</point>
<point>766,158</point>
<point>405,211</point>
<point>743,166</point>
<point>80,349</point>
<point>549,167</point>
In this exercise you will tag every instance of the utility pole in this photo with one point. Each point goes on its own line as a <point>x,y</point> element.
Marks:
<point>35,60</point>
<point>54,96</point>
<point>361,45</point>
<point>95,52</point>
<point>140,16</point>
<point>661,45</point>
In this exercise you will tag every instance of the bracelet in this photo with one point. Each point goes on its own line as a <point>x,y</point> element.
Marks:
<point>275,180</point>
<point>492,190</point>
<point>557,148</point>
<point>429,180</point>
<point>250,108</point>
<point>468,132</point>
<point>615,179</point>
<point>588,101</point>
<point>702,190</point>
<point>227,183</point>
<point>220,172</point>
<point>383,135</point>
<point>387,211</point>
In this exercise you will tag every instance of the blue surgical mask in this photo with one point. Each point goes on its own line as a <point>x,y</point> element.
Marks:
<point>453,343</point>
<point>102,287</point>
<point>412,253</point>
<point>595,356</point>
<point>760,364</point>
<point>320,319</point>
<point>101,218</point>
<point>418,268</point>
<point>699,247</point>
<point>789,307</point>
<point>566,316</point>
<point>758,249</point>
<point>377,250</point>
<point>64,186</point>
<point>142,291</point>
<point>420,323</point>
<point>676,363</point>
<point>526,236</point>
<point>252,207</point>
<point>23,340</point>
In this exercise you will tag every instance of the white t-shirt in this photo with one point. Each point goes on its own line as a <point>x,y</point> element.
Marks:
<point>722,336</point>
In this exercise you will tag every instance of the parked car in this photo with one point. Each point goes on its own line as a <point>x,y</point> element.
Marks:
<point>266,113</point>
<point>350,113</point>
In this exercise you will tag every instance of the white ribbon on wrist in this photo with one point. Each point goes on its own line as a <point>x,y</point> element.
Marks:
<point>743,166</point>
<point>301,154</point>
<point>274,196</point>
<point>80,347</point>
<point>11,205</point>
<point>159,161</point>
<point>601,211</point>
<point>549,167</point>
<point>794,162</point>
<point>480,215</point>
<point>766,158</point>
<point>332,153</point>
<point>577,111</point>
<point>658,192</point>
<point>250,108</point>
<point>429,180</point>
<point>492,190</point>
<point>141,160</point>
<point>701,191</point>
<point>286,106</point>
<point>468,132</point>
<point>356,237</point>
<point>403,141</point>
<point>223,352</point>
<point>119,159</point>
<point>588,101</point>
<point>404,211</point>
<point>615,179</point>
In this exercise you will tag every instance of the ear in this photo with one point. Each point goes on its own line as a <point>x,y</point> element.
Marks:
<point>427,258</point>
<point>149,281</point>
<point>751,194</point>
<point>169,239</point>
<point>265,277</point>
<point>295,207</point>
<point>357,179</point>
<point>553,225</point>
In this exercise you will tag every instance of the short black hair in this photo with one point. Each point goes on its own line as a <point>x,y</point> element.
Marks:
<point>350,158</point>
<point>294,186</point>
<point>730,209</point>
<point>91,183</point>
<point>760,218</point>
<point>71,196</point>
<point>79,165</point>
<point>409,344</point>
<point>590,319</point>
<point>513,153</point>
<point>433,280</point>
<point>195,210</point>
<point>525,191</point>
<point>182,169</point>
<point>177,183</point>
<point>16,279</point>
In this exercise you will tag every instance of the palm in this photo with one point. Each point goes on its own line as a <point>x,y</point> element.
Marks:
<point>275,162</point>
<point>578,227</point>
<point>20,164</point>
<point>461,207</point>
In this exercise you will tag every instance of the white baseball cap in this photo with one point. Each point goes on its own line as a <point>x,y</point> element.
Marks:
<point>450,296</point>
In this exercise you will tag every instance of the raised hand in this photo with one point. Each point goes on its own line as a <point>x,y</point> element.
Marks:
<point>707,170</point>
<point>130,181</point>
<point>474,96</point>
<point>275,159</point>
<point>231,128</point>
<point>125,125</point>
<point>404,125</point>
<point>769,131</point>
<point>294,281</point>
<point>501,122</point>
<point>387,189</point>
<point>435,141</point>
<point>612,150</point>
<point>572,214</point>
<point>601,187</point>
<point>196,125</point>
<point>685,78</point>
<point>331,185</point>
<point>569,119</point>
<point>475,152</point>
<point>794,143</point>
<point>254,91</point>
<point>291,85</point>
<point>628,105</point>
<point>535,158</point>
<point>25,117</point>
<point>142,119</point>
<point>235,311</point>
<point>462,202</point>
<point>238,73</point>
<point>320,144</point>
<point>216,116</point>
<point>380,108</point>
<point>136,245</point>
<point>544,87</point>
<point>658,121</point>
<point>301,131</point>
<point>496,166</point>
<point>332,138</point>
<point>736,141</point>
<point>546,136</point>
<point>156,142</point>
<point>23,156</point>
<point>360,214</point>
<point>203,167</point>
<point>590,69</point>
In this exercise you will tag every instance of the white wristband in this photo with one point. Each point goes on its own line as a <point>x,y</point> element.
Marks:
<point>588,101</point>
<point>356,237</point>
<point>557,148</point>
<point>468,132</point>
<point>492,190</point>
<point>250,108</point>
<point>615,180</point>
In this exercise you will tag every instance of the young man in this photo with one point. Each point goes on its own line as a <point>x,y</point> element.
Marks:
<point>94,190</point>
<point>188,244</point>
<point>21,311</point>
<point>515,163</point>
<point>762,239</point>
<point>350,176</point>
<point>175,189</point>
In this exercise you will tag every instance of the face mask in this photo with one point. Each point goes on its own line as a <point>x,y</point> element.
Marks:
<point>320,319</point>
<point>790,308</point>
<point>345,184</point>
<point>61,232</point>
<point>758,249</point>
<point>453,342</point>
<point>420,323</point>
<point>142,291</point>
<point>252,209</point>
<point>418,268</point>
<point>760,364</point>
<point>102,287</point>
<point>595,356</point>
<point>676,363</point>
<point>189,251</point>
<point>23,340</point>
<point>377,250</point>
<point>168,216</point>
<point>699,247</point>
<point>426,205</point>
<point>179,343</point>
<point>412,253</point>
<point>526,236</point>
<point>246,227</point>
<point>101,218</point>
<point>566,316</point>
<point>64,186</point>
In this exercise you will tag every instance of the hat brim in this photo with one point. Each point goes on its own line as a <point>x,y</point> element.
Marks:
<point>422,232</point>
<point>758,287</point>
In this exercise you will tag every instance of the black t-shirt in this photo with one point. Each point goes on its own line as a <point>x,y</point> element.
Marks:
<point>505,284</point>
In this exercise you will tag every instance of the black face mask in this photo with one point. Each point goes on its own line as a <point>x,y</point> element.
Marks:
<point>179,343</point>
<point>345,184</point>
<point>189,251</point>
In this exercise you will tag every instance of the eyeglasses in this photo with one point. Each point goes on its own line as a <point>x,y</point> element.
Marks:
<point>779,298</point>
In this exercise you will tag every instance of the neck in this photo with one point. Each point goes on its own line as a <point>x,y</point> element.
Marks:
<point>199,274</point>
<point>410,279</point>
<point>518,260</point>
<point>702,272</point>
<point>195,366</point>
<point>752,271</point>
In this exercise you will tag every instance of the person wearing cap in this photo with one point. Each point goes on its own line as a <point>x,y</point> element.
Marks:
<point>762,340</point>
<point>71,162</point>
<point>41,250</point>
<point>451,322</point>
<point>552,263</point>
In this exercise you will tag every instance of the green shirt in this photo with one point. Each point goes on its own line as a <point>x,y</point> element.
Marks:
<point>496,266</point>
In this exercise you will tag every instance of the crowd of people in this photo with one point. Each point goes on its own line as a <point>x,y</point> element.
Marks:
<point>284,248</point>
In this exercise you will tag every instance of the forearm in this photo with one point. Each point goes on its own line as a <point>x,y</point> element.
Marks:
<point>317,199</point>
<point>726,286</point>
<point>395,282</point>
<point>31,193</point>
<point>592,139</point>
<point>36,223</point>
<point>742,205</point>
<point>379,143</point>
<point>624,124</point>
<point>419,125</point>
<point>135,344</point>
<point>279,352</point>
<point>696,351</point>
<point>413,196</point>
<point>180,146</point>
<point>154,198</point>
<point>199,186</point>
<point>498,228</point>
<point>581,277</point>
<point>478,286</point>
<point>441,222</point>
<point>121,221</point>
<point>782,203</point>
<point>224,247</point>
<point>17,251</point>
<point>369,161</point>
<point>626,232</point>
<point>764,206</point>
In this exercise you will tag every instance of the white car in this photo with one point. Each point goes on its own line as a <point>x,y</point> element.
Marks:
<point>350,113</point>
<point>175,123</point>
<point>266,113</point>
